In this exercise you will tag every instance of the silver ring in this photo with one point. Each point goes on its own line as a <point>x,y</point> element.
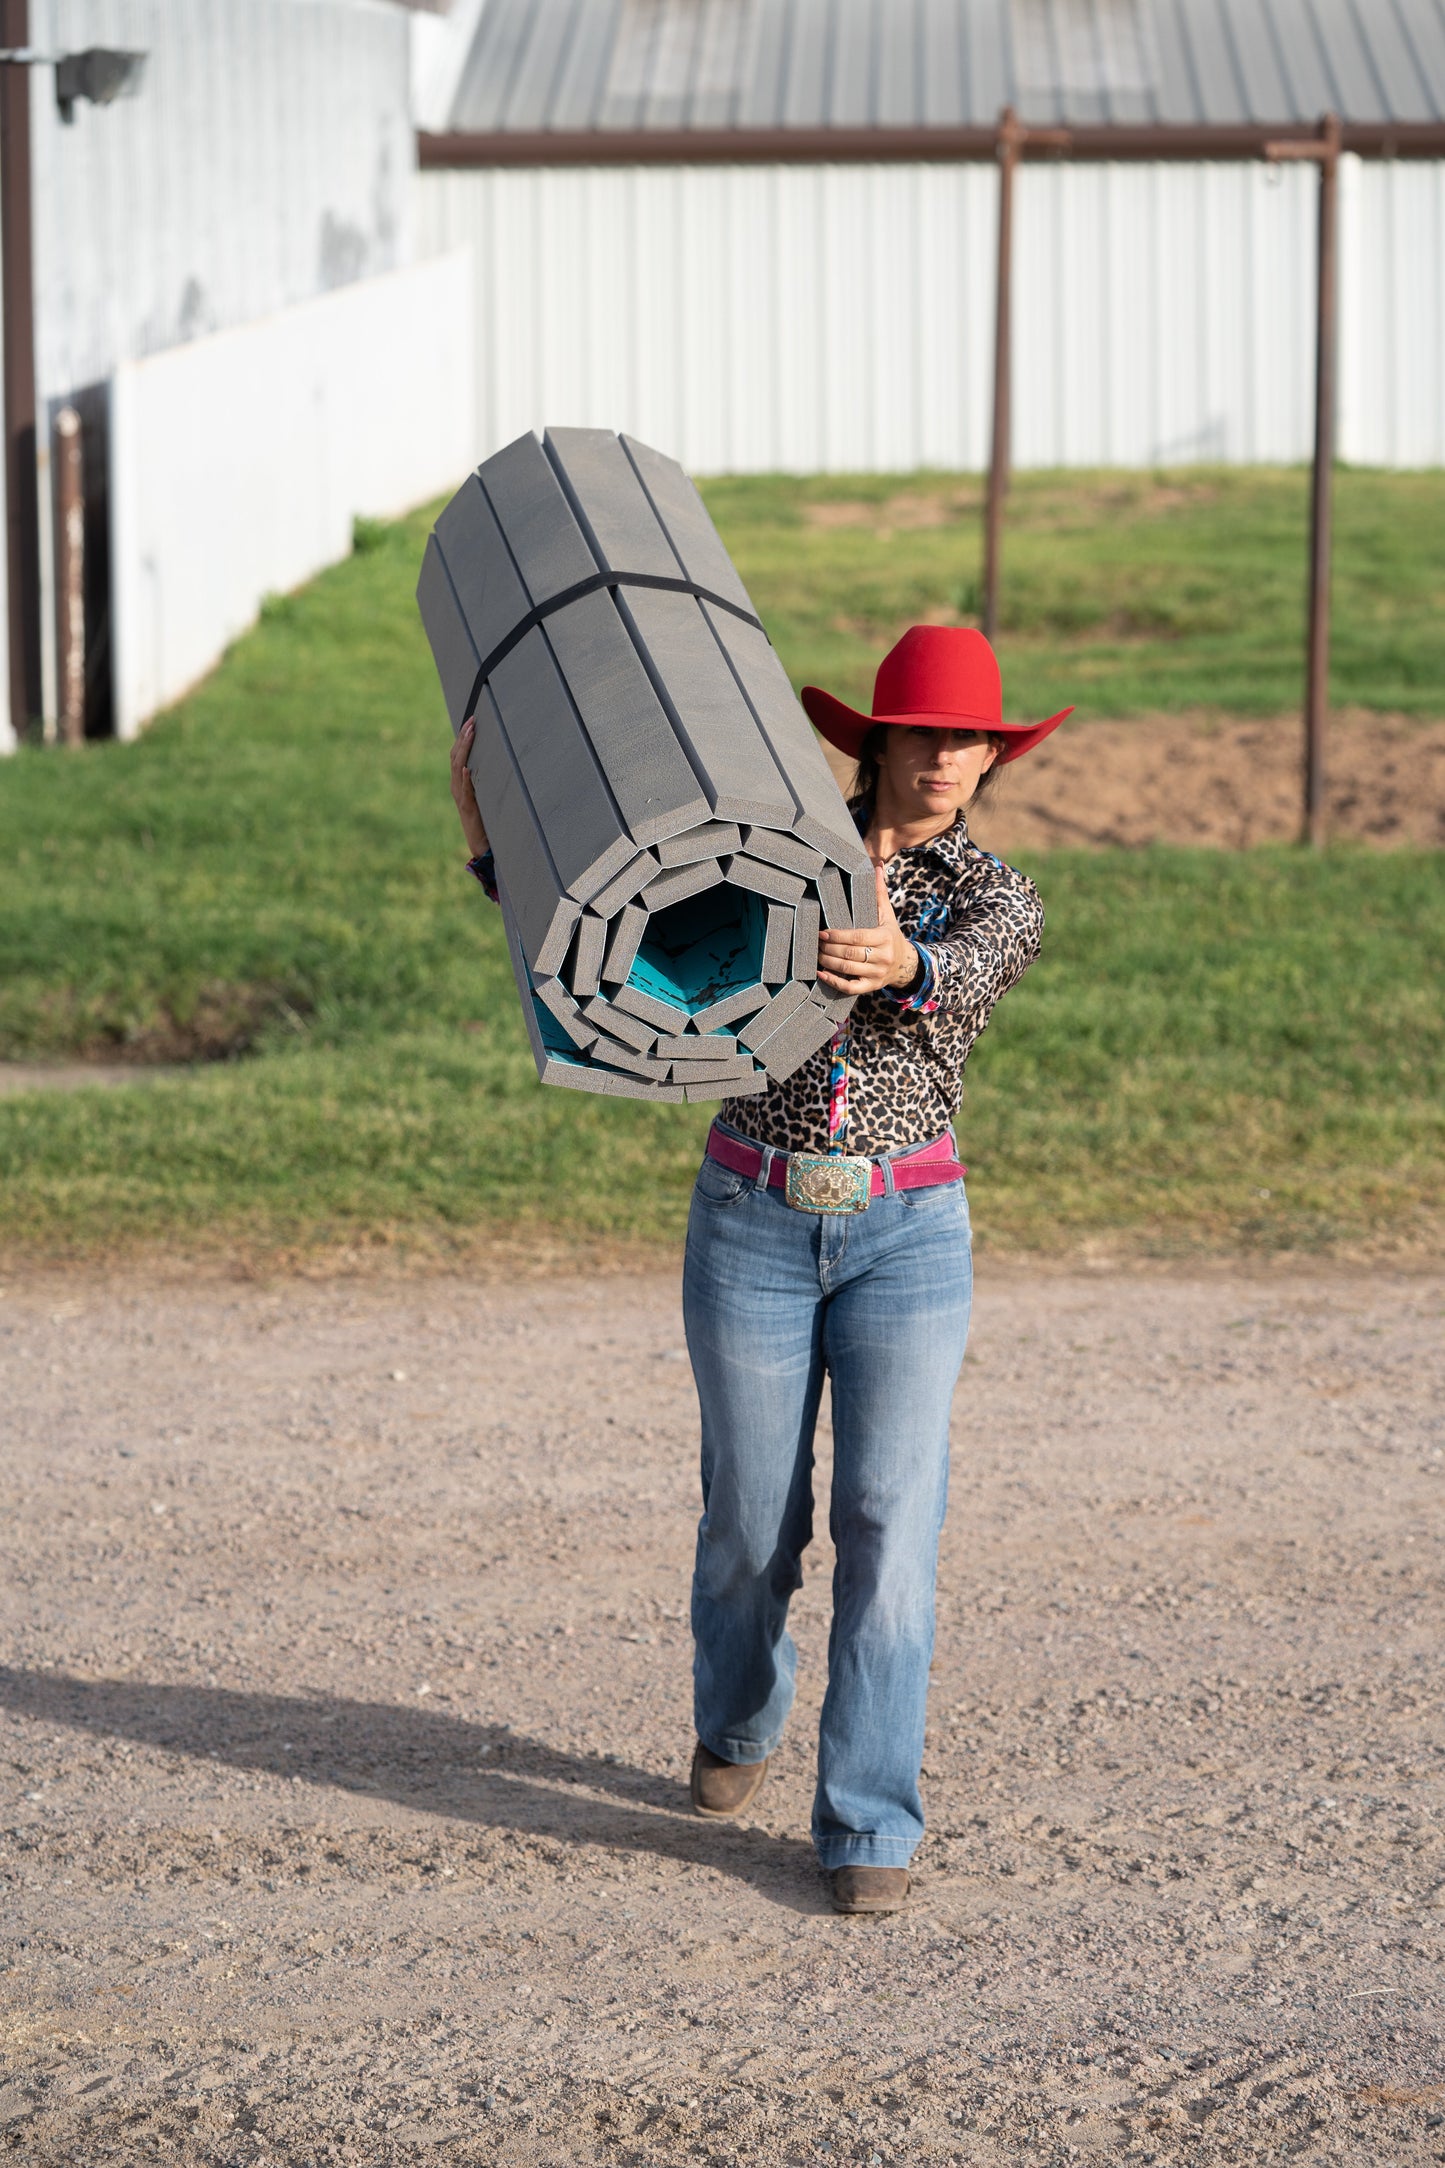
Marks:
<point>867,955</point>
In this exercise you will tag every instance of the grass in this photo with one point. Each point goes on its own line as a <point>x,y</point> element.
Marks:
<point>1124,593</point>
<point>1214,1053</point>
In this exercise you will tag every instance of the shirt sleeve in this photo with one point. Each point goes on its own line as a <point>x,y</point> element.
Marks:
<point>486,872</point>
<point>921,999</point>
<point>992,939</point>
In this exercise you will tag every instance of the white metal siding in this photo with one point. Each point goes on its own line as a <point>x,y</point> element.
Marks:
<point>837,318</point>
<point>280,432</point>
<point>1392,357</point>
<point>266,158</point>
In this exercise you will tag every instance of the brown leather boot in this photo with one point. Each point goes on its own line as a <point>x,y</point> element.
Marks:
<point>870,1889</point>
<point>720,1788</point>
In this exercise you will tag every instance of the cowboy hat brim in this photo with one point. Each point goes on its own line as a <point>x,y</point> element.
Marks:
<point>847,728</point>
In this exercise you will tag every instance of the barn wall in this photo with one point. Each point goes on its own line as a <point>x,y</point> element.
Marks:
<point>267,158</point>
<point>239,462</point>
<point>839,318</point>
<point>1392,349</point>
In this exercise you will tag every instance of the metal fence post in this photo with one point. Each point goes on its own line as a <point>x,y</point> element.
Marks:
<point>1317,675</point>
<point>1324,152</point>
<point>998,464</point>
<point>1012,140</point>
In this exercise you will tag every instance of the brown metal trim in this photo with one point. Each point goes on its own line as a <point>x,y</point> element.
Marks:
<point>853,146</point>
<point>22,504</point>
<point>697,146</point>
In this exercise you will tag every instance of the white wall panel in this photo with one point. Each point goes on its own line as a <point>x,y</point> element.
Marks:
<point>708,326</point>
<point>795,409</point>
<point>1392,378</point>
<point>836,318</point>
<point>655,216</point>
<point>266,158</point>
<point>755,310</point>
<point>1164,327</point>
<point>239,462</point>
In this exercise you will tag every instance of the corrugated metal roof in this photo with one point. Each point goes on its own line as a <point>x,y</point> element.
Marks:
<point>571,66</point>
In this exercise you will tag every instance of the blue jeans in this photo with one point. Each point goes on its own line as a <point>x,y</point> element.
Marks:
<point>880,1300</point>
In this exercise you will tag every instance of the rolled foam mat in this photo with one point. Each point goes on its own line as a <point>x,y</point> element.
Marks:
<point>668,836</point>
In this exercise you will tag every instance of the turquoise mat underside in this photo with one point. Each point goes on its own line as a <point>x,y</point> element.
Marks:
<point>696,951</point>
<point>554,1038</point>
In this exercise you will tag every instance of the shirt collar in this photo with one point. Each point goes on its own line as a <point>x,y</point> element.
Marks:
<point>950,849</point>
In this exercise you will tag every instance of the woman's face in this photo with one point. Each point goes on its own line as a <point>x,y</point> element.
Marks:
<point>931,773</point>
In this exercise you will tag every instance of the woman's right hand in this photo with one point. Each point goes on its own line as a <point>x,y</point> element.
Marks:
<point>464,794</point>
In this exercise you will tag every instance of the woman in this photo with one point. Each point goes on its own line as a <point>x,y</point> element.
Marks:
<point>861,1270</point>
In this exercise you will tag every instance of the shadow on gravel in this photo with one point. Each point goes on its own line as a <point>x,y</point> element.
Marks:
<point>427,1761</point>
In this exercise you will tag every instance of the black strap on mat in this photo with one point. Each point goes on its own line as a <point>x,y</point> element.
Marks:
<point>590,586</point>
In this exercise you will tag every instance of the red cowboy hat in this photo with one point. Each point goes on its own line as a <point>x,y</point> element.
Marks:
<point>944,677</point>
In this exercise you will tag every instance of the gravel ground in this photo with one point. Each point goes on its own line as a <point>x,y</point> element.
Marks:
<point>344,1728</point>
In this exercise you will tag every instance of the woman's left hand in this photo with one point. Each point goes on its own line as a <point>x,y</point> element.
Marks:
<point>860,959</point>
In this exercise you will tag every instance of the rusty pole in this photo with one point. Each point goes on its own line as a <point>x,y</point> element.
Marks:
<point>1325,152</point>
<point>70,576</point>
<point>998,463</point>
<point>1011,141</point>
<point>1317,676</point>
<point>22,506</point>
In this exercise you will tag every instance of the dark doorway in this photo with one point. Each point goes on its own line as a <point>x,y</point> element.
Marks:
<point>92,404</point>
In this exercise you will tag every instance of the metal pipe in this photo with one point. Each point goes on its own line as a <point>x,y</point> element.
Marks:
<point>1317,675</point>
<point>998,459</point>
<point>22,507</point>
<point>70,576</point>
<point>1325,151</point>
<point>946,146</point>
<point>1012,140</point>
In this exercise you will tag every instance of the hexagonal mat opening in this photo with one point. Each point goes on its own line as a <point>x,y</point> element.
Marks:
<point>696,951</point>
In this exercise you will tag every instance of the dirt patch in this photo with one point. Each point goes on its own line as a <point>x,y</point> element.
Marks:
<point>910,509</point>
<point>1072,504</point>
<point>223,1020</point>
<point>1226,784</point>
<point>344,1726</point>
<point>72,1076</point>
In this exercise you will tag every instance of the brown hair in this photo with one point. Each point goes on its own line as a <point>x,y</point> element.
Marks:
<point>865,783</point>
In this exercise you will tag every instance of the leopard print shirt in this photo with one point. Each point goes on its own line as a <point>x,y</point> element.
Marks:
<point>977,924</point>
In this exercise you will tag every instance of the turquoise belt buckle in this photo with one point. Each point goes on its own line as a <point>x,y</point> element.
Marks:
<point>834,1183</point>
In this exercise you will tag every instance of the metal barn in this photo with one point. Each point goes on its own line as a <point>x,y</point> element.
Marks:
<point>334,252</point>
<point>762,232</point>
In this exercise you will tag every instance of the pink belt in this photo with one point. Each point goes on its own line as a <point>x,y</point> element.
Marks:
<point>836,1182</point>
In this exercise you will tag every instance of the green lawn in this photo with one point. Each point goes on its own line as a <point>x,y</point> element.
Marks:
<point>1125,593</point>
<point>1215,1052</point>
